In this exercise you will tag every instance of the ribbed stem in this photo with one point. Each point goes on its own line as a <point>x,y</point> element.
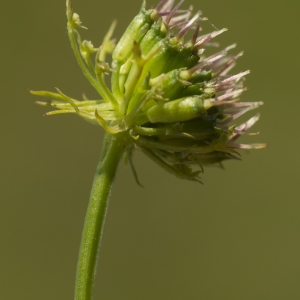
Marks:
<point>113,148</point>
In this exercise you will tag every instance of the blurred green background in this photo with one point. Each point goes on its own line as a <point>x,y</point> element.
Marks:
<point>235,237</point>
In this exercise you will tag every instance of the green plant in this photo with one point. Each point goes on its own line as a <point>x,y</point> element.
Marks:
<point>166,98</point>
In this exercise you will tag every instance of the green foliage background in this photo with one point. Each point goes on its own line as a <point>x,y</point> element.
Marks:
<point>235,237</point>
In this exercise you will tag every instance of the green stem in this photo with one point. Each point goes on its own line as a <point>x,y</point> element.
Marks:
<point>113,148</point>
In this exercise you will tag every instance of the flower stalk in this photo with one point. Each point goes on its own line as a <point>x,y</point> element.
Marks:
<point>112,151</point>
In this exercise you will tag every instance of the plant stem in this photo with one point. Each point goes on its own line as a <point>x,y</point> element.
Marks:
<point>113,148</point>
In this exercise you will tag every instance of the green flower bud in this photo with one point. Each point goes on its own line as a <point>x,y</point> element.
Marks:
<point>177,105</point>
<point>136,30</point>
<point>179,110</point>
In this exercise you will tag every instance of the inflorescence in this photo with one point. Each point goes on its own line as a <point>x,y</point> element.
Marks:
<point>177,105</point>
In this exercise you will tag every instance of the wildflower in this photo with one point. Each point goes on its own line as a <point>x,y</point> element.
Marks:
<point>174,103</point>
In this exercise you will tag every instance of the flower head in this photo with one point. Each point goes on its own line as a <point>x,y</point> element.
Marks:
<point>176,104</point>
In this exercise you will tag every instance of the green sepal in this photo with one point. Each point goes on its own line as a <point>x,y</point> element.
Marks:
<point>165,130</point>
<point>123,74</point>
<point>215,157</point>
<point>202,76</point>
<point>181,171</point>
<point>195,89</point>
<point>134,33</point>
<point>172,85</point>
<point>139,99</point>
<point>200,128</point>
<point>156,33</point>
<point>169,57</point>
<point>144,94</point>
<point>179,110</point>
<point>187,145</point>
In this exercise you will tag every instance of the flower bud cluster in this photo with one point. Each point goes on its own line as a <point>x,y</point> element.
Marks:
<point>177,105</point>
